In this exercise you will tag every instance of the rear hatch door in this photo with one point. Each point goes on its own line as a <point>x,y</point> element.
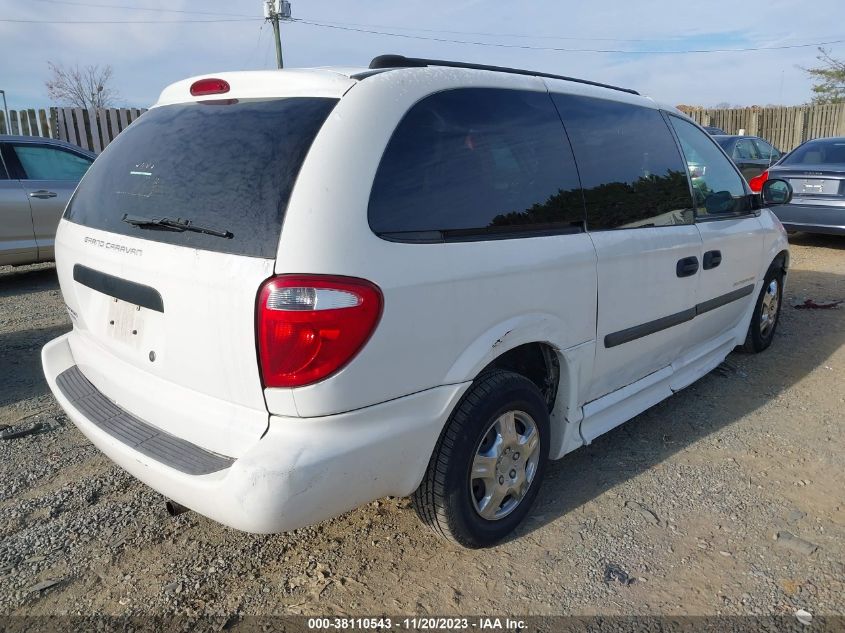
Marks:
<point>161,253</point>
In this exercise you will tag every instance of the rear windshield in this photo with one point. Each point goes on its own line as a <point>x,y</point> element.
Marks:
<point>724,141</point>
<point>827,152</point>
<point>227,165</point>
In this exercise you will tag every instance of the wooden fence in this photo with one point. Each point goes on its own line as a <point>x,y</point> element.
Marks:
<point>785,128</point>
<point>91,129</point>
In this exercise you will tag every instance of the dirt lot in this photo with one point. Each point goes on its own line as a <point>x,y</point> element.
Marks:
<point>688,499</point>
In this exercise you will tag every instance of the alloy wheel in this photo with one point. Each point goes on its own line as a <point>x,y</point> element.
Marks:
<point>504,465</point>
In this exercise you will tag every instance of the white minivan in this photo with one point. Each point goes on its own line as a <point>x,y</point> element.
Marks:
<point>297,291</point>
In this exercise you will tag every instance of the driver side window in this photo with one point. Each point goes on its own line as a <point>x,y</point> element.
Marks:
<point>718,188</point>
<point>767,152</point>
<point>746,150</point>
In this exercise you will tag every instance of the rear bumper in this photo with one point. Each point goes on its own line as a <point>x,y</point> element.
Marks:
<point>302,471</point>
<point>812,218</point>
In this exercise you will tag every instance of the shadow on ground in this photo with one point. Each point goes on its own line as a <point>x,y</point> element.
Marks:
<point>832,242</point>
<point>800,346</point>
<point>21,376</point>
<point>17,281</point>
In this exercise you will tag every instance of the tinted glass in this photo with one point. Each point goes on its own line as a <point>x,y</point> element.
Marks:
<point>745,149</point>
<point>717,186</point>
<point>767,152</point>
<point>229,166</point>
<point>475,162</point>
<point>825,152</point>
<point>724,142</point>
<point>630,166</point>
<point>49,163</point>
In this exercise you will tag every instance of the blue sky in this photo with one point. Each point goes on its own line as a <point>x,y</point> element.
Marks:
<point>146,57</point>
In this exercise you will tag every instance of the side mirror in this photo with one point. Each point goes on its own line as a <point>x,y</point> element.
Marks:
<point>776,192</point>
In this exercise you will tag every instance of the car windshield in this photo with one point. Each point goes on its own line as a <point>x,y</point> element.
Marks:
<point>227,165</point>
<point>823,152</point>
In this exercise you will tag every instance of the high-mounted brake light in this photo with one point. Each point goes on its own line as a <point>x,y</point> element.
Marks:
<point>757,182</point>
<point>311,326</point>
<point>209,86</point>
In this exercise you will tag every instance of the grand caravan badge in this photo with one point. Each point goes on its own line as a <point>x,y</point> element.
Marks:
<point>120,248</point>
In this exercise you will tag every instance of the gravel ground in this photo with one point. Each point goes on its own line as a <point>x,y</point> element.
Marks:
<point>725,499</point>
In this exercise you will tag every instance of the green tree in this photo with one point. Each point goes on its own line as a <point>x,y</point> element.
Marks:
<point>829,77</point>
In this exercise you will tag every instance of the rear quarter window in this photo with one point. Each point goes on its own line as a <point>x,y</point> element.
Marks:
<point>228,165</point>
<point>477,163</point>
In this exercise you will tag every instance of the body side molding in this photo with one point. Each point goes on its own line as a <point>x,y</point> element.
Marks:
<point>663,323</point>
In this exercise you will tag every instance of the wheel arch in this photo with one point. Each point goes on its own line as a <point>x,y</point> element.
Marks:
<point>525,345</point>
<point>781,260</point>
<point>537,361</point>
<point>568,363</point>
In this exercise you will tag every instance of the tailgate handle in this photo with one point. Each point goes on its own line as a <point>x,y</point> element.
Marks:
<point>712,259</point>
<point>687,267</point>
<point>43,194</point>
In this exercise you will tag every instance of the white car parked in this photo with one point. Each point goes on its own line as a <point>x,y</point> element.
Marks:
<point>297,291</point>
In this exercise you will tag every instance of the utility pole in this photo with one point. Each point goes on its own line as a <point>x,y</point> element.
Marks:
<point>275,10</point>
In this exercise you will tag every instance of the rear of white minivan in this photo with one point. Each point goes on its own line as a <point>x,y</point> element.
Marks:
<point>162,254</point>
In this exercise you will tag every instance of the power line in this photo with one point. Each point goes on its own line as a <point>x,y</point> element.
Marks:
<point>60,22</point>
<point>255,50</point>
<point>561,49</point>
<point>371,31</point>
<point>135,8</point>
<point>330,24</point>
<point>489,34</point>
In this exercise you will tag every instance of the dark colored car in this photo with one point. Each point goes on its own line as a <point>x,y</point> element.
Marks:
<point>751,154</point>
<point>816,171</point>
<point>711,129</point>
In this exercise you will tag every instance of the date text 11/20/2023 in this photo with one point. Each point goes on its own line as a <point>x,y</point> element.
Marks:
<point>415,624</point>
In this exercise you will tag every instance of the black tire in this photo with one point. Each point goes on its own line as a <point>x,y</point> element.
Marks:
<point>444,500</point>
<point>760,336</point>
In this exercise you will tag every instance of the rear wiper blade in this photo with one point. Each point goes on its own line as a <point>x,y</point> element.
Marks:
<point>174,225</point>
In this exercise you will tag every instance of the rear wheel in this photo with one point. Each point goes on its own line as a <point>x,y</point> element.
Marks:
<point>764,320</point>
<point>486,468</point>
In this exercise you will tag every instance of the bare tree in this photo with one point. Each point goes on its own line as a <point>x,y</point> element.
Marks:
<point>88,87</point>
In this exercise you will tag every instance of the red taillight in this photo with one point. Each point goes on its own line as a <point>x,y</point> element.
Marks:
<point>757,182</point>
<point>310,326</point>
<point>209,86</point>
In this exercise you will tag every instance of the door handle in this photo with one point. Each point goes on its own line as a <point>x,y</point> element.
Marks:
<point>711,259</point>
<point>687,267</point>
<point>43,194</point>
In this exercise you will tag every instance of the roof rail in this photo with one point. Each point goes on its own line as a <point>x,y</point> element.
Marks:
<point>400,61</point>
